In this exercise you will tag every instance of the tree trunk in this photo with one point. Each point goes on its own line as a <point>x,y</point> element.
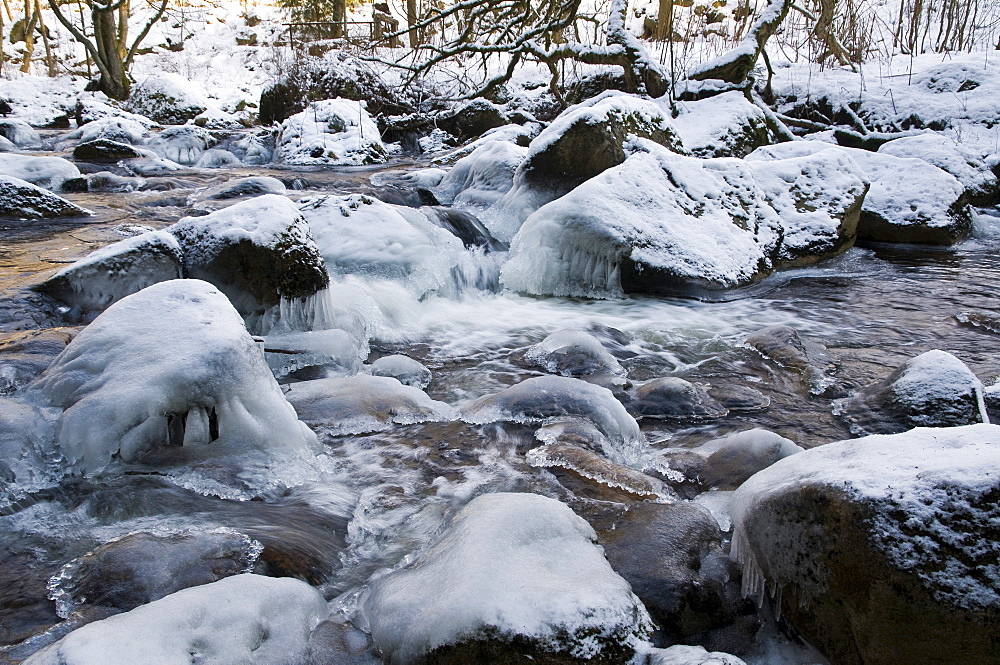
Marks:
<point>665,21</point>
<point>411,20</point>
<point>114,83</point>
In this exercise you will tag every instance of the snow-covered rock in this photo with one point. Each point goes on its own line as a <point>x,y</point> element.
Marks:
<point>239,619</point>
<point>910,201</point>
<point>170,365</point>
<point>331,132</point>
<point>168,98</point>
<point>881,549</point>
<point>472,119</point>
<point>258,252</point>
<point>725,125</point>
<point>184,145</point>
<point>682,654</point>
<point>733,458</point>
<point>544,399</point>
<point>966,164</point>
<point>404,369</point>
<point>362,403</point>
<point>934,389</point>
<point>548,589</point>
<point>118,270</point>
<point>47,172</point>
<point>667,223</point>
<point>20,133</point>
<point>573,353</point>
<point>584,141</point>
<point>22,199</point>
<point>112,128</point>
<point>482,177</point>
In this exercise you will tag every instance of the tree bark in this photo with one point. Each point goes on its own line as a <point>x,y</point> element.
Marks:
<point>411,22</point>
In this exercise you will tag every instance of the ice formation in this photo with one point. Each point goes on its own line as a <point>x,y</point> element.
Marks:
<point>482,177</point>
<point>182,145</point>
<point>170,365</point>
<point>404,369</point>
<point>335,131</point>
<point>573,353</point>
<point>47,172</point>
<point>239,619</point>
<point>549,583</point>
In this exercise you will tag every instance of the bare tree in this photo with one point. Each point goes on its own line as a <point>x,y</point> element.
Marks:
<point>735,66</point>
<point>108,47</point>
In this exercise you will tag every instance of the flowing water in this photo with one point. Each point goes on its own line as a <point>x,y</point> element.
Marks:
<point>383,495</point>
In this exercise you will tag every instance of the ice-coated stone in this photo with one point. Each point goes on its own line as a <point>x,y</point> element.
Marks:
<point>596,468</point>
<point>47,172</point>
<point>170,365</point>
<point>479,179</point>
<point>584,141</point>
<point>252,186</point>
<point>358,404</point>
<point>966,164</point>
<point>674,397</point>
<point>404,369</point>
<point>784,346</point>
<point>19,198</point>
<point>142,567</point>
<point>725,125</point>
<point>182,145</point>
<point>547,593</point>
<point>258,252</point>
<point>112,128</point>
<point>543,399</point>
<point>332,132</point>
<point>934,389</point>
<point>239,619</point>
<point>20,133</point>
<point>168,98</point>
<point>665,223</point>
<point>881,549</point>
<point>113,272</point>
<point>910,201</point>
<point>216,158</point>
<point>733,458</point>
<point>573,353</point>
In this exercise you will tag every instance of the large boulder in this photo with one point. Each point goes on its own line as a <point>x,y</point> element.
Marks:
<point>103,151</point>
<point>21,199</point>
<point>934,389</point>
<point>258,252</point>
<point>171,365</point>
<point>667,223</point>
<point>910,201</point>
<point>109,274</point>
<point>881,549</point>
<point>725,125</point>
<point>584,141</point>
<point>547,595</point>
<point>167,98</point>
<point>239,619</point>
<point>966,164</point>
<point>331,132</point>
<point>473,119</point>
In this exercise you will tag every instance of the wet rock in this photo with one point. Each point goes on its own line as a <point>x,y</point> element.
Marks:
<point>989,321</point>
<point>934,389</point>
<point>167,98</point>
<point>739,398</point>
<point>404,369</point>
<point>24,604</point>
<point>25,355</point>
<point>106,276</point>
<point>257,252</point>
<point>105,181</point>
<point>142,567</point>
<point>725,125</point>
<point>673,397</point>
<point>501,605</point>
<point>244,618</point>
<point>362,403</point>
<point>463,226</point>
<point>671,556</point>
<point>881,549</point>
<point>473,119</point>
<point>573,353</point>
<point>253,186</point>
<point>784,346</point>
<point>21,199</point>
<point>333,643</point>
<point>732,459</point>
<point>103,151</point>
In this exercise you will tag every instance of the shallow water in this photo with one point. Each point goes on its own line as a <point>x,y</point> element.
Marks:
<point>386,494</point>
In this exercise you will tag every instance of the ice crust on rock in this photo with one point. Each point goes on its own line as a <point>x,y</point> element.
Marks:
<point>47,172</point>
<point>357,404</point>
<point>181,145</point>
<point>109,274</point>
<point>664,222</point>
<point>19,198</point>
<point>509,565</point>
<point>543,399</point>
<point>682,654</point>
<point>237,620</point>
<point>252,186</point>
<point>479,179</point>
<point>404,369</point>
<point>112,128</point>
<point>909,200</point>
<point>332,132</point>
<point>20,133</point>
<point>573,353</point>
<point>172,363</point>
